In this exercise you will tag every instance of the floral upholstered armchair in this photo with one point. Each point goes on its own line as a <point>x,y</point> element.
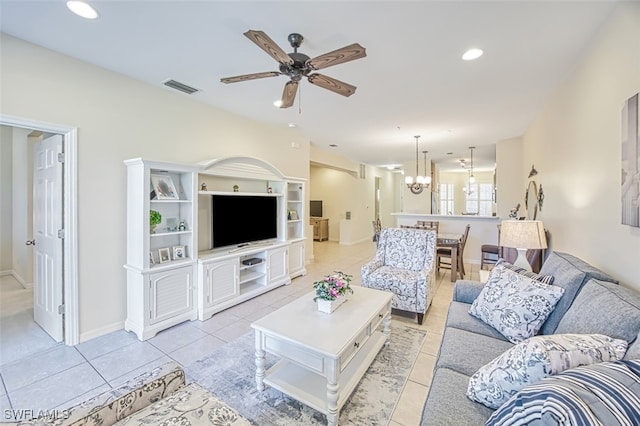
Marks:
<point>404,264</point>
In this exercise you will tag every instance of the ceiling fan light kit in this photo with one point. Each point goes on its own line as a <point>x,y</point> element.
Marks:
<point>296,65</point>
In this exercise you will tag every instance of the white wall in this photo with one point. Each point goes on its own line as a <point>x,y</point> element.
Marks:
<point>337,182</point>
<point>575,146</point>
<point>22,205</point>
<point>6,213</point>
<point>510,186</point>
<point>120,118</point>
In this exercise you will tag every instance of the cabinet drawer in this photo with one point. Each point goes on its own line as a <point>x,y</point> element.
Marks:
<point>354,346</point>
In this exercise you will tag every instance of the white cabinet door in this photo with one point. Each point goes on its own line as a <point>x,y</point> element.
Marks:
<point>277,265</point>
<point>170,293</point>
<point>221,281</point>
<point>296,259</point>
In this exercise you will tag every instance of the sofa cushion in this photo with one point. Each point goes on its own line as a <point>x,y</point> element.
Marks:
<point>513,304</point>
<point>536,358</point>
<point>466,291</point>
<point>633,351</point>
<point>603,308</point>
<point>459,317</point>
<point>191,405</point>
<point>570,273</point>
<point>456,353</point>
<point>448,405</point>
<point>601,394</point>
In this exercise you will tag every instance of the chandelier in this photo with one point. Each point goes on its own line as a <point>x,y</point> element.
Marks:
<point>420,182</point>
<point>472,179</point>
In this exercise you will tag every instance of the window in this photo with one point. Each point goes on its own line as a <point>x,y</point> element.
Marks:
<point>480,200</point>
<point>445,190</point>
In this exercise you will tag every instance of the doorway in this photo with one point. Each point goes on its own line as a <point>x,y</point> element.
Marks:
<point>67,260</point>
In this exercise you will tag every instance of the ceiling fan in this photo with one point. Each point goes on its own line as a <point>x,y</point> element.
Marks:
<point>297,65</point>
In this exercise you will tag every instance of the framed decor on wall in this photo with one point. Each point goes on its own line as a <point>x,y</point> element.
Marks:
<point>163,187</point>
<point>630,181</point>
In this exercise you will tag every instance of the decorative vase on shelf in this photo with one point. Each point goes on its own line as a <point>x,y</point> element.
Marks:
<point>328,306</point>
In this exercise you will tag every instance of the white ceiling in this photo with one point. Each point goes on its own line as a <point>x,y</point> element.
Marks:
<point>412,82</point>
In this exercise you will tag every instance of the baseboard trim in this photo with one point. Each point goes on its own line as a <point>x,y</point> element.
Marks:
<point>17,277</point>
<point>101,331</point>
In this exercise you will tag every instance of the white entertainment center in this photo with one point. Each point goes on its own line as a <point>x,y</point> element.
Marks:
<point>174,272</point>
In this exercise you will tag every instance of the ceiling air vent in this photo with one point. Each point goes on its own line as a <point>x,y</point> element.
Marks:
<point>181,87</point>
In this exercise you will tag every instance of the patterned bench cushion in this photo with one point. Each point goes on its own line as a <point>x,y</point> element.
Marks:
<point>192,405</point>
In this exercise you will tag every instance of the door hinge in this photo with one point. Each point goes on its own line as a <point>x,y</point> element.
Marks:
<point>61,157</point>
<point>61,309</point>
<point>61,233</point>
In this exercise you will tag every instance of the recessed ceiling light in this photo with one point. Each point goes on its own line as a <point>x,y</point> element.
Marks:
<point>277,103</point>
<point>472,54</point>
<point>82,9</point>
<point>291,125</point>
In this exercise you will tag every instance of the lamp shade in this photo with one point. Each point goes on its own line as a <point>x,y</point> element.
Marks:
<point>525,234</point>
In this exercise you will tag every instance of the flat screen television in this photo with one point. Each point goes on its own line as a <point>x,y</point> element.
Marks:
<point>315,208</point>
<point>238,219</point>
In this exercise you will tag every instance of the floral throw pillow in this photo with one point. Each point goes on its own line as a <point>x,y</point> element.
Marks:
<point>515,305</point>
<point>530,361</point>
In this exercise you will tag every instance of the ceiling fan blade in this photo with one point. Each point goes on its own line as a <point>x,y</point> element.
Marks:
<point>249,77</point>
<point>289,94</point>
<point>346,54</point>
<point>337,86</point>
<point>265,43</point>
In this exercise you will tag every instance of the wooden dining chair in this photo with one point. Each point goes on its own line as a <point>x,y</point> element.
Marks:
<point>431,225</point>
<point>443,255</point>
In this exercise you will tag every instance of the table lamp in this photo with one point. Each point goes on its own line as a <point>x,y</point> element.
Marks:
<point>523,235</point>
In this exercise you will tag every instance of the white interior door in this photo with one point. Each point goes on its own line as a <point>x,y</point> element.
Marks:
<point>47,221</point>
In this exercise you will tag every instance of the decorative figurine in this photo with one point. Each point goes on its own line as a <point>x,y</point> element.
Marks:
<point>182,226</point>
<point>235,188</point>
<point>513,213</point>
<point>269,190</point>
<point>203,186</point>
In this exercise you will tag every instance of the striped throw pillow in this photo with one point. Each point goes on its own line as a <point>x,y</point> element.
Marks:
<point>601,394</point>
<point>547,279</point>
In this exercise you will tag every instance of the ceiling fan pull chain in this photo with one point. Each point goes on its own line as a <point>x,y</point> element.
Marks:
<point>300,99</point>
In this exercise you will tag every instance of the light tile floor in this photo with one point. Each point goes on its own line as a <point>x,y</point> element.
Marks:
<point>36,373</point>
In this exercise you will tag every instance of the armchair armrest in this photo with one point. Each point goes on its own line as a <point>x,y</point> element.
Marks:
<point>371,266</point>
<point>466,291</point>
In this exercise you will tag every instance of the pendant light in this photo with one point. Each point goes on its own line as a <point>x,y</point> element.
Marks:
<point>421,182</point>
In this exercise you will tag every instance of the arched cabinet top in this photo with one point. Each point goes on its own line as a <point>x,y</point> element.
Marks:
<point>241,167</point>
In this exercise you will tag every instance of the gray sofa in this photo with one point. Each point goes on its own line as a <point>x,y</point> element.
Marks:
<point>592,303</point>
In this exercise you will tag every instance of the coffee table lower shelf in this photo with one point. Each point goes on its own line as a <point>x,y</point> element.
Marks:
<point>311,388</point>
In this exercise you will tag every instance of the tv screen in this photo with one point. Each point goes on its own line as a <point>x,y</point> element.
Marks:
<point>315,208</point>
<point>238,219</point>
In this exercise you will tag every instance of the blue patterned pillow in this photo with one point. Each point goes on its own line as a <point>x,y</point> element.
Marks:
<point>600,394</point>
<point>530,361</point>
<point>515,305</point>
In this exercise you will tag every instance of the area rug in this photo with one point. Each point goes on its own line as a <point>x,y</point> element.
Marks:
<point>229,372</point>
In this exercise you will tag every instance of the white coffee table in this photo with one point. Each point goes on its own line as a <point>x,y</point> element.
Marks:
<point>323,356</point>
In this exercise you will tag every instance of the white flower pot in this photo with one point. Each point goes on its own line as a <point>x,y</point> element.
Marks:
<point>328,306</point>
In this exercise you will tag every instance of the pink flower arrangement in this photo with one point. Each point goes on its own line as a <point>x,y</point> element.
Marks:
<point>333,286</point>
